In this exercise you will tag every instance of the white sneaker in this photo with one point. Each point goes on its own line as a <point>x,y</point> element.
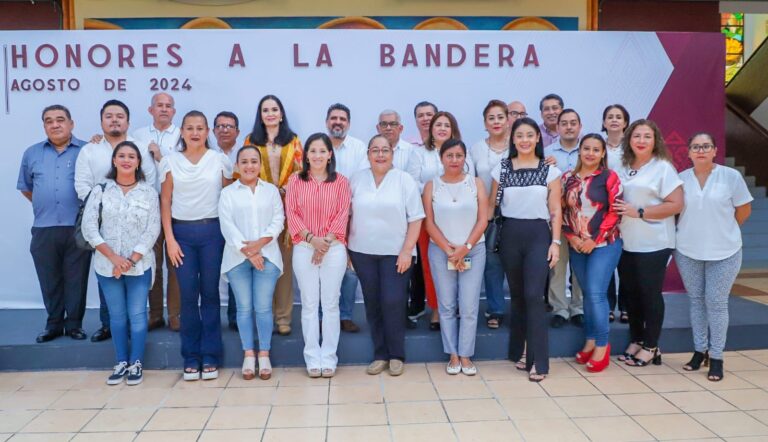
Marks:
<point>453,369</point>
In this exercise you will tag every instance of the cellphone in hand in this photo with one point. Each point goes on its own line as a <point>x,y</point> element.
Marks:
<point>467,264</point>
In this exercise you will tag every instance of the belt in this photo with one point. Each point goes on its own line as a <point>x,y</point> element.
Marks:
<point>194,221</point>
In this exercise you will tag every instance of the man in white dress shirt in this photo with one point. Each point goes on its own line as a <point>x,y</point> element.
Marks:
<point>226,129</point>
<point>92,166</point>
<point>162,138</point>
<point>422,113</point>
<point>351,156</point>
<point>390,127</point>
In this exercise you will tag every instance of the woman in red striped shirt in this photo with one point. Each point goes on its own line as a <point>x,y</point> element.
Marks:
<point>317,207</point>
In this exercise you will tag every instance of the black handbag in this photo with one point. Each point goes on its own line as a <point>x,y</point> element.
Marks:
<point>493,234</point>
<point>80,241</point>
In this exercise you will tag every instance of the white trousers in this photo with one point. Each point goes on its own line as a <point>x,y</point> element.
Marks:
<point>320,286</point>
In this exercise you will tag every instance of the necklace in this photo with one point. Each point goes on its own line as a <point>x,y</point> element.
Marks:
<point>125,185</point>
<point>454,196</point>
<point>633,171</point>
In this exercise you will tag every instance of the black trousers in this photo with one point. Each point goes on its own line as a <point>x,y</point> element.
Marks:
<point>416,289</point>
<point>642,275</point>
<point>615,299</point>
<point>62,270</point>
<point>385,292</point>
<point>523,248</point>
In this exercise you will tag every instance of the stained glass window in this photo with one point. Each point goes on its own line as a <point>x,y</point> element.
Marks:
<point>732,26</point>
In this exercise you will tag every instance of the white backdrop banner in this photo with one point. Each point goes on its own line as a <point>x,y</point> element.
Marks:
<point>309,70</point>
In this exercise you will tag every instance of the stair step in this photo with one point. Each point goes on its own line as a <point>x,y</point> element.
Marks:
<point>754,254</point>
<point>730,161</point>
<point>742,170</point>
<point>750,181</point>
<point>754,227</point>
<point>755,240</point>
<point>758,215</point>
<point>758,191</point>
<point>760,203</point>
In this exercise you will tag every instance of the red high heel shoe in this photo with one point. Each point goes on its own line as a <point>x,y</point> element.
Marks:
<point>594,366</point>
<point>583,356</point>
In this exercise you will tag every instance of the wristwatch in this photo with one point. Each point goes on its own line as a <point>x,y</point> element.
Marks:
<point>557,241</point>
<point>640,213</point>
<point>468,245</point>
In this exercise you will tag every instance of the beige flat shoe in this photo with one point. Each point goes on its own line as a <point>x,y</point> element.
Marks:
<point>377,367</point>
<point>396,367</point>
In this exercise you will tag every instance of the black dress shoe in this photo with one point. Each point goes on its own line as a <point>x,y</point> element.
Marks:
<point>77,334</point>
<point>48,335</point>
<point>154,324</point>
<point>557,321</point>
<point>101,334</point>
<point>577,320</point>
<point>233,326</point>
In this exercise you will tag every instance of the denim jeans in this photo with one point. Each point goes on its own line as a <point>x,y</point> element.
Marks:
<point>254,290</point>
<point>348,292</point>
<point>103,309</point>
<point>494,284</point>
<point>126,299</point>
<point>458,291</point>
<point>594,272</point>
<point>203,246</point>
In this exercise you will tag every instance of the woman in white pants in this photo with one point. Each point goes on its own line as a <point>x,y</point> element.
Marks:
<point>317,207</point>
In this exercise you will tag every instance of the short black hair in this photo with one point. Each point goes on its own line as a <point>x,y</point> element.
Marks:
<point>551,97</point>
<point>54,107</point>
<point>227,114</point>
<point>115,103</point>
<point>338,106</point>
<point>568,111</point>
<point>424,104</point>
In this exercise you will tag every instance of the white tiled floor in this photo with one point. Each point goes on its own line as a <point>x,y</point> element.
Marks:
<point>425,404</point>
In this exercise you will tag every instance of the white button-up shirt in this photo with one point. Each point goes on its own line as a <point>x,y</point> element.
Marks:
<point>351,156</point>
<point>247,215</point>
<point>380,215</point>
<point>167,139</point>
<point>129,223</point>
<point>95,161</point>
<point>402,154</point>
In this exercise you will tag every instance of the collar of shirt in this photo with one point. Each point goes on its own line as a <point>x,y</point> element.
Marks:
<point>168,130</point>
<point>559,146</point>
<point>240,185</point>
<point>544,129</point>
<point>76,142</point>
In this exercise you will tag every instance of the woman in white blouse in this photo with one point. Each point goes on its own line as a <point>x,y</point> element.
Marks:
<point>251,217</point>
<point>122,221</point>
<point>423,165</point>
<point>487,154</point>
<point>653,195</point>
<point>708,255</point>
<point>192,180</point>
<point>385,225</point>
<point>455,205</point>
<point>528,190</point>
<point>615,121</point>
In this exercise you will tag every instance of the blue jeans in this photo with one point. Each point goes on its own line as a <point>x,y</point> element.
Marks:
<point>494,284</point>
<point>202,245</point>
<point>103,310</point>
<point>458,291</point>
<point>594,272</point>
<point>253,291</point>
<point>126,299</point>
<point>348,292</point>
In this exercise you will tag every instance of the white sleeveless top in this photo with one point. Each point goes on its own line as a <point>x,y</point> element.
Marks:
<point>455,208</point>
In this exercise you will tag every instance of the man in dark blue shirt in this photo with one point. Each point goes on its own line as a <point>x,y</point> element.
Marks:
<point>47,179</point>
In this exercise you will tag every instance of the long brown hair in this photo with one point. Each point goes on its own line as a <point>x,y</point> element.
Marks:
<point>660,150</point>
<point>455,132</point>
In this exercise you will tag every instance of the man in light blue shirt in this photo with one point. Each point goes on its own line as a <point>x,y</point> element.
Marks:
<point>47,179</point>
<point>565,152</point>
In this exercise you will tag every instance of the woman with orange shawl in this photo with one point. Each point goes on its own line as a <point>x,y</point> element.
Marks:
<point>281,150</point>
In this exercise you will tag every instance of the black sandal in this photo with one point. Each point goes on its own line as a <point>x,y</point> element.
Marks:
<point>697,360</point>
<point>715,370</point>
<point>655,358</point>
<point>611,317</point>
<point>494,321</point>
<point>627,355</point>
<point>624,318</point>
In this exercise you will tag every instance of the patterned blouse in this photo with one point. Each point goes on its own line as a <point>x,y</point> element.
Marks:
<point>588,206</point>
<point>129,223</point>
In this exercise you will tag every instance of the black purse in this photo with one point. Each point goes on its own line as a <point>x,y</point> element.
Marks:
<point>493,233</point>
<point>80,241</point>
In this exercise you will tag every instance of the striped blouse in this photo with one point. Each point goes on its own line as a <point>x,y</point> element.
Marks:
<point>319,207</point>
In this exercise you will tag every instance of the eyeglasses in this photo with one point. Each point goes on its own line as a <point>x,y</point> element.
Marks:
<point>386,124</point>
<point>383,152</point>
<point>701,147</point>
<point>516,114</point>
<point>224,127</point>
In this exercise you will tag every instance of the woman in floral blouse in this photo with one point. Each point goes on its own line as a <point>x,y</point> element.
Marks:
<point>590,223</point>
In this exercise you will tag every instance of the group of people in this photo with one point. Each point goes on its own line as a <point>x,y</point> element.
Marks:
<point>581,222</point>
